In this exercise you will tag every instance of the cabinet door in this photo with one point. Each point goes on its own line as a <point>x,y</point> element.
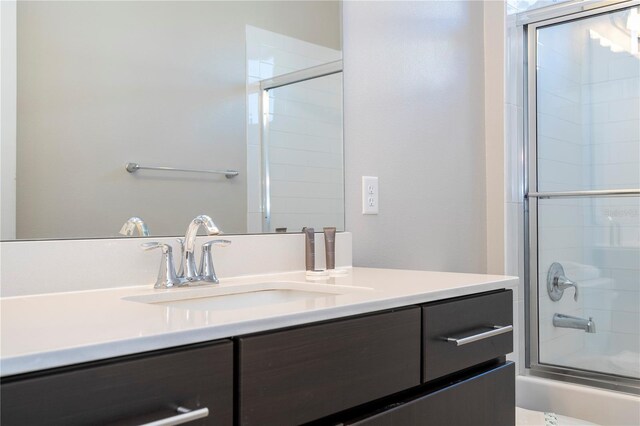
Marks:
<point>302,374</point>
<point>472,316</point>
<point>135,390</point>
<point>487,399</point>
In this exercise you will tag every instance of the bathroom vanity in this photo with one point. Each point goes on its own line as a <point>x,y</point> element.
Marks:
<point>405,348</point>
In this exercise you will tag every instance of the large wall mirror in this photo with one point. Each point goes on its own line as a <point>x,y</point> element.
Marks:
<point>113,97</point>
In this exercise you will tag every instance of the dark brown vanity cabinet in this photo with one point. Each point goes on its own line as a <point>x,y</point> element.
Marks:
<point>479,329</point>
<point>305,373</point>
<point>466,381</point>
<point>440,364</point>
<point>130,391</point>
<point>485,398</point>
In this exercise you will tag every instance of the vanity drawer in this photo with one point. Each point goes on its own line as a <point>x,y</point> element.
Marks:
<point>131,391</point>
<point>471,321</point>
<point>484,399</point>
<point>299,375</point>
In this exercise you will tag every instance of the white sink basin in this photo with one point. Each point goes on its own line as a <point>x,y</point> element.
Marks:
<point>241,296</point>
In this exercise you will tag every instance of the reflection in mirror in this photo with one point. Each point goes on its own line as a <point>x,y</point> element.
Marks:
<point>194,86</point>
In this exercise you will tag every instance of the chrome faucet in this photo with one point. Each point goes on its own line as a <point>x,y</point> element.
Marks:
<point>134,224</point>
<point>566,321</point>
<point>188,272</point>
<point>188,254</point>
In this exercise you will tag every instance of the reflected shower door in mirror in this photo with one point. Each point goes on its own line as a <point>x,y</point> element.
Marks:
<point>295,134</point>
<point>173,85</point>
<point>302,154</point>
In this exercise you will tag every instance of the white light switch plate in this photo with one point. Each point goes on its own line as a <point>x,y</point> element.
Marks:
<point>370,198</point>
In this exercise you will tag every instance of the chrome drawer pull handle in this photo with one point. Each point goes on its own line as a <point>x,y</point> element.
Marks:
<point>497,329</point>
<point>185,416</point>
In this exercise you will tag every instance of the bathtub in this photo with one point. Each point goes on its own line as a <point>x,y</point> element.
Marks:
<point>537,418</point>
<point>602,407</point>
<point>623,363</point>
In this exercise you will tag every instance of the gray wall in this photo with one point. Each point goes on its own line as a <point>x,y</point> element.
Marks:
<point>414,111</point>
<point>104,83</point>
<point>414,117</point>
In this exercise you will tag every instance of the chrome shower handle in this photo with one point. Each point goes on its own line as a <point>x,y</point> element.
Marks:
<point>563,283</point>
<point>557,283</point>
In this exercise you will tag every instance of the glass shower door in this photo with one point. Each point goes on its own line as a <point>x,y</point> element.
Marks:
<point>584,180</point>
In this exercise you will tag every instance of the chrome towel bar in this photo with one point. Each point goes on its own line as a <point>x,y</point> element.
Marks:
<point>134,167</point>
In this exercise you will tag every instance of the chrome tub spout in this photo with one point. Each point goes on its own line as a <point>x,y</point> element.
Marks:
<point>566,321</point>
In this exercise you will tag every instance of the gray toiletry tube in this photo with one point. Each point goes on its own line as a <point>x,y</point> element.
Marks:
<point>330,246</point>
<point>309,248</point>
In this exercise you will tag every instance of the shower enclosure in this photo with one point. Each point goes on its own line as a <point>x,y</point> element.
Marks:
<point>301,143</point>
<point>295,158</point>
<point>582,196</point>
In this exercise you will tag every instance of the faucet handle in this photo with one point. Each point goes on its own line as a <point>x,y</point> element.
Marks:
<point>563,283</point>
<point>207,271</point>
<point>181,267</point>
<point>154,245</point>
<point>167,274</point>
<point>220,243</point>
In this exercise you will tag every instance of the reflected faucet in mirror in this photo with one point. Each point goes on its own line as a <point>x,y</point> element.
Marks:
<point>134,224</point>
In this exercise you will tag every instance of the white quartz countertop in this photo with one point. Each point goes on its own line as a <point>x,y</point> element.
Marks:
<point>58,329</point>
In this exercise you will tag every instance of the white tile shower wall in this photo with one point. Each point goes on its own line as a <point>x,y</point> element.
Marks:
<point>8,148</point>
<point>614,301</point>
<point>612,100</point>
<point>560,167</point>
<point>559,107</point>
<point>304,137</point>
<point>612,225</point>
<point>517,6</point>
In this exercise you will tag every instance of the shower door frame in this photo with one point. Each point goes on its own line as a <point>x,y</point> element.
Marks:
<point>266,85</point>
<point>531,22</point>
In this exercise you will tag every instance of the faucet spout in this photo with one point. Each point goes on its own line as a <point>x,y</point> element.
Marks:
<point>567,321</point>
<point>188,256</point>
<point>134,224</point>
